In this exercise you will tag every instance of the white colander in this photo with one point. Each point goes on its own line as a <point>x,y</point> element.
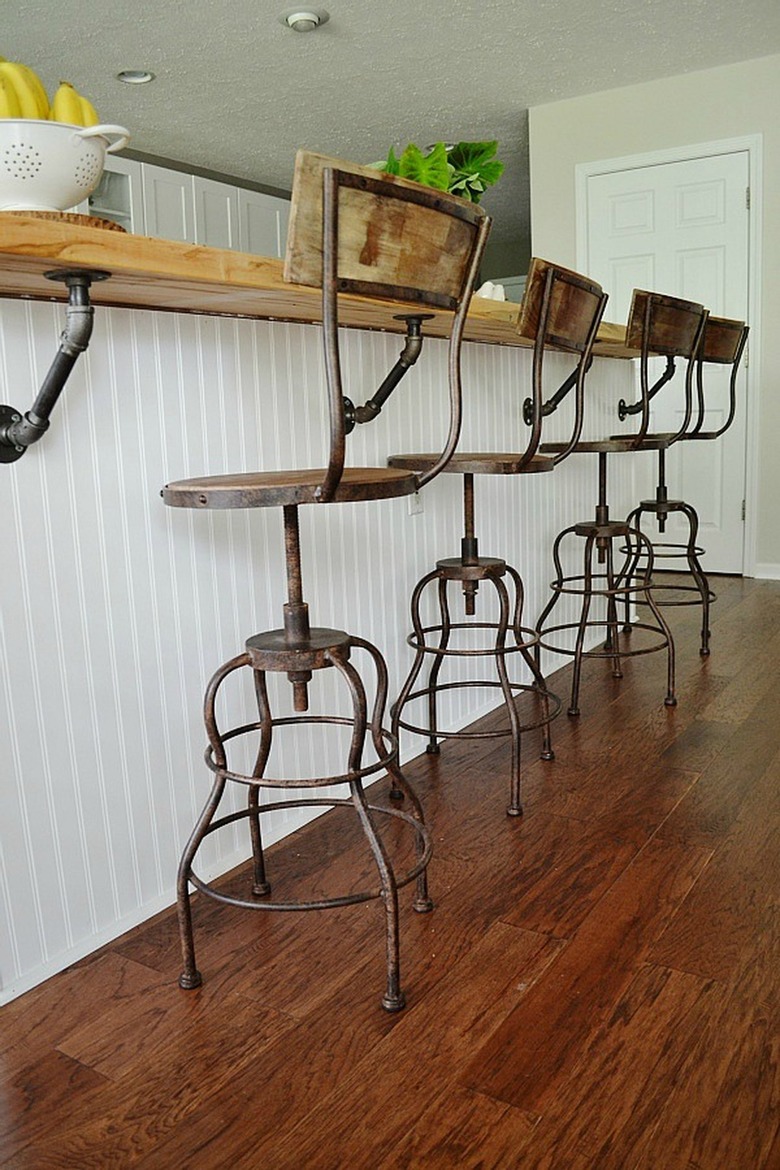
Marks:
<point>51,166</point>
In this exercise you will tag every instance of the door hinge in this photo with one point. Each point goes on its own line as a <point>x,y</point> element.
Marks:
<point>743,509</point>
<point>747,198</point>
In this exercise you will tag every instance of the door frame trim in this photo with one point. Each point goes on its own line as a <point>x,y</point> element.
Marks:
<point>752,144</point>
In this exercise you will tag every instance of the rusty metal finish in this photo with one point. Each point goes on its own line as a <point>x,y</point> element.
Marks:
<point>403,242</point>
<point>357,773</point>
<point>509,637</point>
<point>467,250</point>
<point>561,310</point>
<point>721,341</point>
<point>629,584</point>
<point>633,582</point>
<point>668,594</point>
<point>670,327</point>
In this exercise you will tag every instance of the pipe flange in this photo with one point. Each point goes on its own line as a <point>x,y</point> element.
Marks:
<point>9,452</point>
<point>69,275</point>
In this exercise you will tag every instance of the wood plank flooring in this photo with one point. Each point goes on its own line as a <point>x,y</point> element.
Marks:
<point>598,986</point>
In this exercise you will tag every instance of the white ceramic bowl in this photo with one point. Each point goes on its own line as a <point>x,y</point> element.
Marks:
<point>51,166</point>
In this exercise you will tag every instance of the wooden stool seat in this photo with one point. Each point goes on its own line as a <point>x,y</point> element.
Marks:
<point>267,489</point>
<point>478,463</point>
<point>614,445</point>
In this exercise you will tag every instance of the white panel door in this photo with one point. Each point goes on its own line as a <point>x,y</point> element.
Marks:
<point>682,228</point>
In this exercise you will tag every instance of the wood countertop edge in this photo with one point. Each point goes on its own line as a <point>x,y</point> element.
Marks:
<point>159,274</point>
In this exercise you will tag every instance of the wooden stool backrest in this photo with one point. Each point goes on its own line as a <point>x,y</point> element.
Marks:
<point>356,230</point>
<point>666,326</point>
<point>723,344</point>
<point>561,310</point>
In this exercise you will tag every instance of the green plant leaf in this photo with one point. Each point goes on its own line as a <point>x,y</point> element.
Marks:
<point>471,156</point>
<point>430,169</point>
<point>466,170</point>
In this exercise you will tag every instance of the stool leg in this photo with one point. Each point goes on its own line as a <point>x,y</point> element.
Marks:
<point>670,700</point>
<point>190,977</point>
<point>555,588</point>
<point>393,999</point>
<point>529,658</point>
<point>438,660</point>
<point>699,576</point>
<point>514,808</point>
<point>423,902</point>
<point>260,885</point>
<point>611,642</point>
<point>634,520</point>
<point>587,593</point>
<point>419,658</point>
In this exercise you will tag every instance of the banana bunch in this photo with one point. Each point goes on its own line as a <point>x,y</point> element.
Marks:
<point>68,105</point>
<point>22,94</point>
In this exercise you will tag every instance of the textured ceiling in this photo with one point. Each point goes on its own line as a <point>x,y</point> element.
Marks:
<point>237,92</point>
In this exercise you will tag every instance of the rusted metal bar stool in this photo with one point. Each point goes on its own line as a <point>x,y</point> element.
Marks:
<point>561,310</point>
<point>723,344</point>
<point>351,231</point>
<point>662,325</point>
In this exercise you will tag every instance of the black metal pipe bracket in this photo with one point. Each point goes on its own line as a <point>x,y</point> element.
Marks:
<point>626,408</point>
<point>408,356</point>
<point>19,431</point>
<point>554,401</point>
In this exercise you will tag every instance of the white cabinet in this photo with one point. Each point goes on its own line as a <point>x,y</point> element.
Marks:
<point>169,209</point>
<point>158,201</point>
<point>216,213</point>
<point>118,196</point>
<point>262,222</point>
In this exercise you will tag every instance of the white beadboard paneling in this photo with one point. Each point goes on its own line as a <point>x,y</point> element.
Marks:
<point>115,611</point>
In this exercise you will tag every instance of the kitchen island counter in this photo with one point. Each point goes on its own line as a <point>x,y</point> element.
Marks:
<point>154,273</point>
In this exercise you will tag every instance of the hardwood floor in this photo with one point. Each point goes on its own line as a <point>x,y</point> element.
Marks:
<point>598,986</point>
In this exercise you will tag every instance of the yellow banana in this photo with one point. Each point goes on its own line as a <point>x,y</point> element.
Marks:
<point>29,90</point>
<point>89,116</point>
<point>66,106</point>
<point>9,102</point>
<point>38,88</point>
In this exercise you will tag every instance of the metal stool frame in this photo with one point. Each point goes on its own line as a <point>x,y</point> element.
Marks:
<point>723,342</point>
<point>657,324</point>
<point>561,309</point>
<point>345,229</point>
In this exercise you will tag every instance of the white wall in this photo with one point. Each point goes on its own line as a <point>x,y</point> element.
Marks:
<point>115,610</point>
<point>705,106</point>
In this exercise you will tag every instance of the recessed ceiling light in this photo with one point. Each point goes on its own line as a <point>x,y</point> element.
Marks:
<point>304,19</point>
<point>135,76</point>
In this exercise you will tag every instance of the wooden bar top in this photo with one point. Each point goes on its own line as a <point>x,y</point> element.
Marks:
<point>152,273</point>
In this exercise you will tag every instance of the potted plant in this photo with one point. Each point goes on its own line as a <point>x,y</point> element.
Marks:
<point>465,169</point>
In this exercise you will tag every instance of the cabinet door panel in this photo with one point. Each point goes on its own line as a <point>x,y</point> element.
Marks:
<point>168,204</point>
<point>263,222</point>
<point>216,213</point>
<point>118,196</point>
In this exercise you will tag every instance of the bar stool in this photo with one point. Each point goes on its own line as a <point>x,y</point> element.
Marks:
<point>662,325</point>
<point>723,344</point>
<point>351,231</point>
<point>560,310</point>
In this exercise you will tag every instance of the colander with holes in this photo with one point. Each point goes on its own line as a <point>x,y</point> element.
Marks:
<point>52,166</point>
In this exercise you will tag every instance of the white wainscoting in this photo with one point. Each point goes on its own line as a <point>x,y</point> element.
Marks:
<point>115,610</point>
